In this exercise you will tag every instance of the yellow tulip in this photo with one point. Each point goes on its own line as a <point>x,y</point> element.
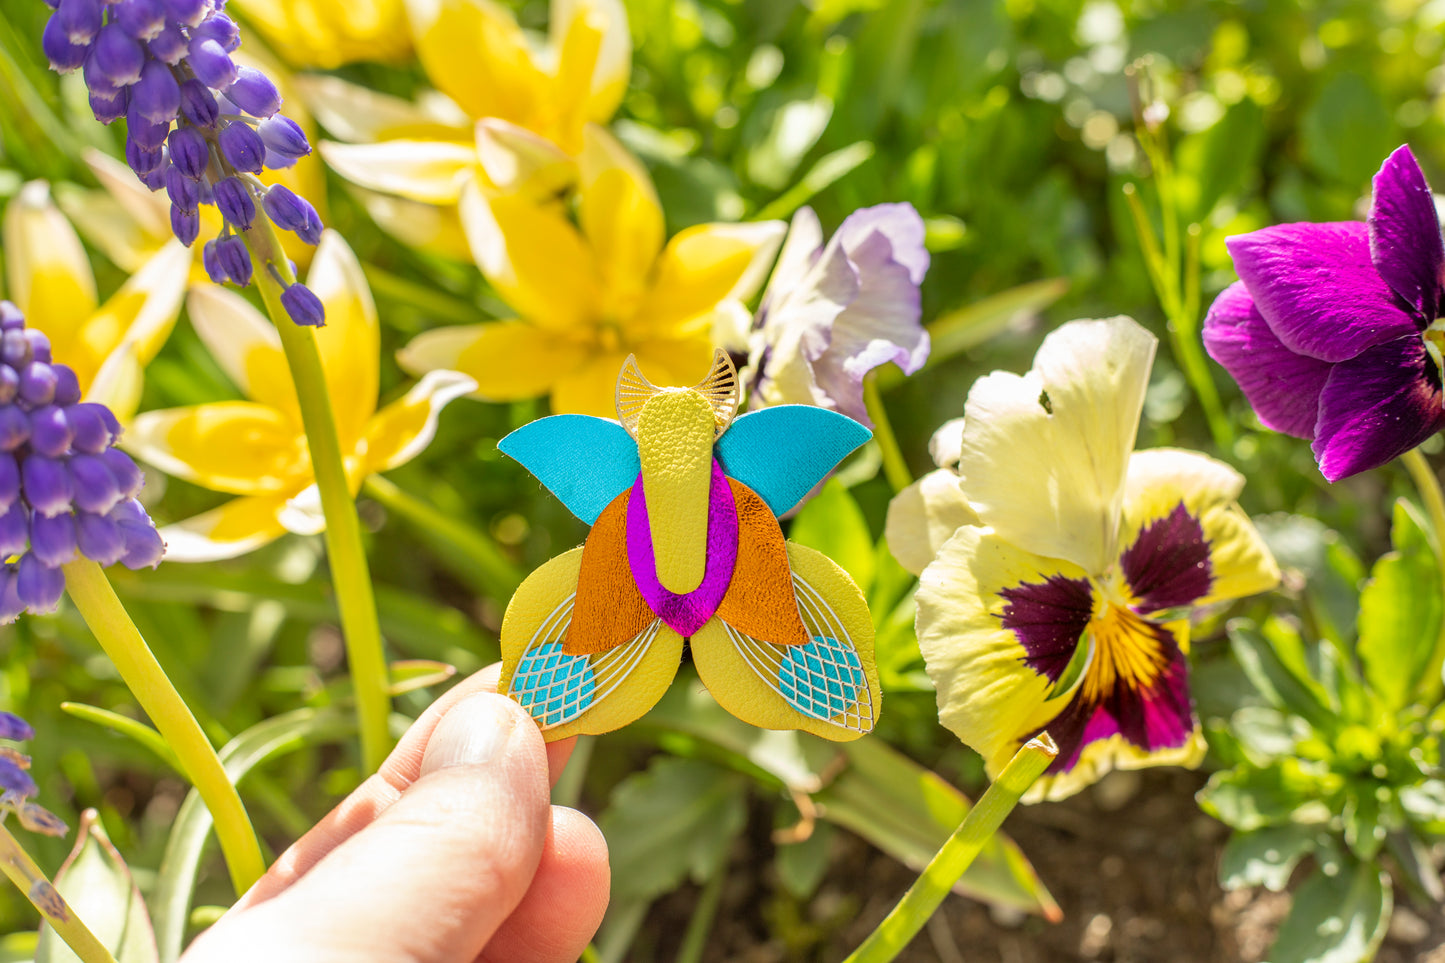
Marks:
<point>587,298</point>
<point>50,280</point>
<point>256,448</point>
<point>330,33</point>
<point>511,119</point>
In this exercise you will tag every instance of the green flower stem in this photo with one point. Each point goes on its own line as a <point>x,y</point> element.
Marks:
<point>949,863</point>
<point>895,468</point>
<point>486,561</point>
<point>1429,485</point>
<point>96,600</point>
<point>29,879</point>
<point>1175,279</point>
<point>344,548</point>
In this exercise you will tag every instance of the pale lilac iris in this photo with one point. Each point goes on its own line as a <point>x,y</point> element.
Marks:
<point>1333,330</point>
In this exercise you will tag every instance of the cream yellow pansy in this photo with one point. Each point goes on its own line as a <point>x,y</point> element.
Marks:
<point>50,280</point>
<point>1061,599</point>
<point>511,117</point>
<point>330,33</point>
<point>587,297</point>
<point>256,448</point>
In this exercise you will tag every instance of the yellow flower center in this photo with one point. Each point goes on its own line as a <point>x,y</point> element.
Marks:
<point>1126,648</point>
<point>1435,344</point>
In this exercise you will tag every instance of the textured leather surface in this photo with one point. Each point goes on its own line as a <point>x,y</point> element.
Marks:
<point>609,610</point>
<point>782,452</point>
<point>674,440</point>
<point>760,602</point>
<point>585,461</point>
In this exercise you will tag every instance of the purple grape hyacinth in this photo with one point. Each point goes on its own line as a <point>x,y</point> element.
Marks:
<point>16,785</point>
<point>1335,331</point>
<point>65,491</point>
<point>197,124</point>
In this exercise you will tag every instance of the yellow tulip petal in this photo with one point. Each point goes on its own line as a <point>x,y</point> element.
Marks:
<point>577,50</point>
<point>1044,456</point>
<point>621,217</point>
<point>246,347</point>
<point>987,694</point>
<point>426,171</point>
<point>148,208</point>
<point>228,446</point>
<point>350,342</point>
<point>517,161</point>
<point>534,257</point>
<point>475,53</point>
<point>402,430</point>
<point>426,227</point>
<point>1162,479</point>
<point>359,115</point>
<point>241,525</point>
<point>703,265</point>
<point>330,33</point>
<point>508,360</point>
<point>925,515</point>
<point>119,382</point>
<point>591,389</point>
<point>49,276</point>
<point>612,64</point>
<point>139,317</point>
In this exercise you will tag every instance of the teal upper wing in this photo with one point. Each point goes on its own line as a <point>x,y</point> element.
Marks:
<point>782,452</point>
<point>585,461</point>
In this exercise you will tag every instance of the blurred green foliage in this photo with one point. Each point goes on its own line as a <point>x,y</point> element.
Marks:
<point>1009,125</point>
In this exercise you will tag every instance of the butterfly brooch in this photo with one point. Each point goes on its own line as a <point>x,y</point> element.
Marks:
<point>683,496</point>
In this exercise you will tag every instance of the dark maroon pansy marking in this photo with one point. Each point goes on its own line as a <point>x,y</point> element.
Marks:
<point>1151,717</point>
<point>1048,618</point>
<point>1168,564</point>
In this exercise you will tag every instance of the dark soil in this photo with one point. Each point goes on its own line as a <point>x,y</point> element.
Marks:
<point>1132,862</point>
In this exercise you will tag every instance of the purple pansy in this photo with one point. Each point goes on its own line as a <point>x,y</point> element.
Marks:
<point>65,491</point>
<point>1333,331</point>
<point>832,313</point>
<point>197,124</point>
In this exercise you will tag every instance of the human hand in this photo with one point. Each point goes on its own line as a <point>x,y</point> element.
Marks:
<point>451,853</point>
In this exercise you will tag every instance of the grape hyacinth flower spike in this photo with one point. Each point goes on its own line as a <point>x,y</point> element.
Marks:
<point>65,490</point>
<point>199,125</point>
<point>16,785</point>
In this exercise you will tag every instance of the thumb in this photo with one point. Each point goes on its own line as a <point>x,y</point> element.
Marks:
<point>435,876</point>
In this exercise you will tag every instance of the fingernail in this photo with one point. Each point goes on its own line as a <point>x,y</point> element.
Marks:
<point>474,732</point>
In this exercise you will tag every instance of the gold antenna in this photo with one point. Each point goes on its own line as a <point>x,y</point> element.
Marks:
<point>720,388</point>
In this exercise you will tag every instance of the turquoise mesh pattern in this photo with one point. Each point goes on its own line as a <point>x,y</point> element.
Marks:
<point>553,686</point>
<point>821,679</point>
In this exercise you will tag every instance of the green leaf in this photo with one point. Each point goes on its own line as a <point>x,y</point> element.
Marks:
<point>967,327</point>
<point>1273,679</point>
<point>1400,610</point>
<point>673,822</point>
<point>181,863</point>
<point>830,168</point>
<point>1265,857</point>
<point>1215,163</point>
<point>124,725</point>
<point>796,127</point>
<point>877,792</point>
<point>100,890</point>
<point>1336,919</point>
<point>833,523</point>
<point>1247,797</point>
<point>1347,129</point>
<point>909,812</point>
<point>409,675</point>
<point>1266,733</point>
<point>802,865</point>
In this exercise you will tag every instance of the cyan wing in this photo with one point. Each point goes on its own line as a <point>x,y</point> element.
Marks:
<point>782,452</point>
<point>585,461</point>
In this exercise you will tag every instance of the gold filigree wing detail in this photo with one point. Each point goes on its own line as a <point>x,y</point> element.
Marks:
<point>721,388</point>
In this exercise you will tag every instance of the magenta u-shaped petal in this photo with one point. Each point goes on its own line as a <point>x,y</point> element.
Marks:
<point>687,613</point>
